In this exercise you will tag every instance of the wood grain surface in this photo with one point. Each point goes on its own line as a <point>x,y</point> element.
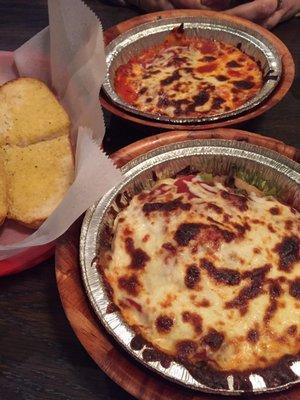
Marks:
<point>40,356</point>
<point>288,70</point>
<point>126,154</point>
<point>113,360</point>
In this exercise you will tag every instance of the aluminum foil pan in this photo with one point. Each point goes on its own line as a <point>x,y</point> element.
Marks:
<point>132,42</point>
<point>216,156</point>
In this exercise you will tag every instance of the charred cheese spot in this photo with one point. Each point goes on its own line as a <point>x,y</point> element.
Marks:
<point>164,102</point>
<point>275,289</point>
<point>200,99</point>
<point>164,324</point>
<point>138,256</point>
<point>186,232</point>
<point>143,90</point>
<point>208,59</point>
<point>153,355</point>
<point>168,206</point>
<point>217,102</point>
<point>240,202</point>
<point>275,210</point>
<point>170,248</point>
<point>210,235</point>
<point>253,336</point>
<point>108,286</point>
<point>174,77</point>
<point>242,228</point>
<point>186,348</point>
<point>222,275</point>
<point>227,235</point>
<point>130,284</point>
<point>194,319</point>
<point>226,218</point>
<point>192,276</point>
<point>215,208</point>
<point>213,339</point>
<point>177,61</point>
<point>292,330</point>
<point>137,343</point>
<point>254,289</point>
<point>271,228</point>
<point>244,84</point>
<point>295,289</point>
<point>111,308</point>
<point>233,64</point>
<point>222,78</point>
<point>289,252</point>
<point>271,310</point>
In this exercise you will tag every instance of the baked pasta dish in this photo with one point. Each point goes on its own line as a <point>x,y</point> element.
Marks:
<point>188,76</point>
<point>207,270</point>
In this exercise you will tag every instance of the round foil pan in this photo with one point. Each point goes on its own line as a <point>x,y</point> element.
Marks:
<point>134,41</point>
<point>218,157</point>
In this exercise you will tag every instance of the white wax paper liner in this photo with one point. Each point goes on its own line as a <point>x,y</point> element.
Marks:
<point>69,56</point>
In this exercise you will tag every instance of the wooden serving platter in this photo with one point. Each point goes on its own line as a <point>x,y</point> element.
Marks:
<point>288,69</point>
<point>108,355</point>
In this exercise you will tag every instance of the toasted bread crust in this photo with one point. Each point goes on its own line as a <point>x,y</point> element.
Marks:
<point>35,151</point>
<point>30,113</point>
<point>37,178</point>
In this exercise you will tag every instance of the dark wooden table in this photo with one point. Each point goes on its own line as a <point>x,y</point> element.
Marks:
<point>40,357</point>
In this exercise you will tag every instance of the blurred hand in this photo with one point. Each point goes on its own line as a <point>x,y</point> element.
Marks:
<point>267,12</point>
<point>152,5</point>
<point>200,4</point>
<point>156,5</point>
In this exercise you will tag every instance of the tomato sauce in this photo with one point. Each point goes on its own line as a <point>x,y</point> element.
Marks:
<point>122,85</point>
<point>207,68</point>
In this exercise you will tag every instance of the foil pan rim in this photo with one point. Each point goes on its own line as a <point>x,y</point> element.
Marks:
<point>215,143</point>
<point>92,279</point>
<point>257,40</point>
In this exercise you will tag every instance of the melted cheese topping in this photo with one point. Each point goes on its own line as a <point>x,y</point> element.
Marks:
<point>189,77</point>
<point>205,274</point>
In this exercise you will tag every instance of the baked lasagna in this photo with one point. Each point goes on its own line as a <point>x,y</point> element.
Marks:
<point>208,272</point>
<point>188,76</point>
